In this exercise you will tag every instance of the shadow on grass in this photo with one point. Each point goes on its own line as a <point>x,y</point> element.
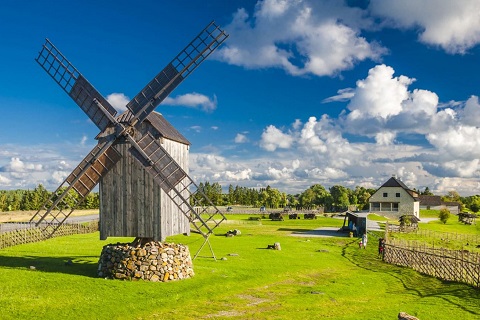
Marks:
<point>295,229</point>
<point>460,295</point>
<point>80,265</point>
<point>320,232</point>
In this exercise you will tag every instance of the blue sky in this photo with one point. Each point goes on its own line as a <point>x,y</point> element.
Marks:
<point>302,92</point>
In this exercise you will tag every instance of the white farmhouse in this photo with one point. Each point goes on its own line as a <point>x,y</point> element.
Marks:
<point>395,199</point>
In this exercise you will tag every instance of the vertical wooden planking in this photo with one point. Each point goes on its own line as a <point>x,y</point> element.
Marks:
<point>132,204</point>
<point>128,195</point>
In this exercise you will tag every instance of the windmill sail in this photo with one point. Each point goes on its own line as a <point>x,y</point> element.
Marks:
<point>176,71</point>
<point>178,185</point>
<point>165,171</point>
<point>75,85</point>
<point>75,188</point>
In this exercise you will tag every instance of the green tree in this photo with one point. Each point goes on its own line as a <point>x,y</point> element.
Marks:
<point>293,200</point>
<point>37,197</point>
<point>91,201</point>
<point>363,194</point>
<point>340,197</point>
<point>3,201</point>
<point>307,198</point>
<point>426,192</point>
<point>14,200</point>
<point>451,196</point>
<point>315,195</point>
<point>322,196</point>
<point>475,207</point>
<point>212,191</point>
<point>444,215</point>
<point>262,197</point>
<point>472,202</point>
<point>231,194</point>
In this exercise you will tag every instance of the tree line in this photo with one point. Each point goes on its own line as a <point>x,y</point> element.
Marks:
<point>335,198</point>
<point>16,200</point>
<point>332,199</point>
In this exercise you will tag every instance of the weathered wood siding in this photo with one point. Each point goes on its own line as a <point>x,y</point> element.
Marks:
<point>133,205</point>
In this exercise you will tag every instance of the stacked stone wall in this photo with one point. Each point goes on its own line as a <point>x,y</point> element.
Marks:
<point>153,261</point>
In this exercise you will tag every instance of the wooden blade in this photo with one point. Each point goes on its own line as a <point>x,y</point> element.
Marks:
<point>92,168</point>
<point>176,71</point>
<point>160,165</point>
<point>177,185</point>
<point>75,85</point>
<point>74,189</point>
<point>84,94</point>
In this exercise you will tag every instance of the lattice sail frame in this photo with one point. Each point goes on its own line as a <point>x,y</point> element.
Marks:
<point>164,169</point>
<point>75,85</point>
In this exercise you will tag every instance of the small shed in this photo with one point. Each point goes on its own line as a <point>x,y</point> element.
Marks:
<point>467,218</point>
<point>355,222</point>
<point>131,203</point>
<point>409,221</point>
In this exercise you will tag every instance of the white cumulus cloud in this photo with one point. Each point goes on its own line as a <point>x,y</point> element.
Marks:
<point>299,37</point>
<point>273,138</point>
<point>4,181</point>
<point>380,94</point>
<point>18,166</point>
<point>119,101</point>
<point>241,138</point>
<point>238,175</point>
<point>193,100</point>
<point>326,173</point>
<point>452,25</point>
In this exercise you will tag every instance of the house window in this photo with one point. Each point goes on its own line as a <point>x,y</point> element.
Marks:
<point>397,194</point>
<point>394,206</point>
<point>385,194</point>
<point>375,206</point>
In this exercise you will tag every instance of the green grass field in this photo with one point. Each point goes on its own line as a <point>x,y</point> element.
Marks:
<point>310,278</point>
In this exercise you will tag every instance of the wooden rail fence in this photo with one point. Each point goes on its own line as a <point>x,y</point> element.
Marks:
<point>431,234</point>
<point>451,265</point>
<point>27,233</point>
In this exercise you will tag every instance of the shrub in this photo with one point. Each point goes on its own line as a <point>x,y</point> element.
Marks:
<point>444,215</point>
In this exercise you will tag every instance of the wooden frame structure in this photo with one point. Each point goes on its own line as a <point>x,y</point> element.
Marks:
<point>128,139</point>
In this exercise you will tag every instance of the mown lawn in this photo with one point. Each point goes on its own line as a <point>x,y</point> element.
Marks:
<point>310,278</point>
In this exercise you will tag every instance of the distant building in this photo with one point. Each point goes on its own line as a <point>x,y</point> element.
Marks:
<point>436,203</point>
<point>395,199</point>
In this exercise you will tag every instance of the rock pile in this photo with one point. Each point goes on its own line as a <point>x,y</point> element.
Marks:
<point>232,233</point>
<point>406,316</point>
<point>275,246</point>
<point>153,261</point>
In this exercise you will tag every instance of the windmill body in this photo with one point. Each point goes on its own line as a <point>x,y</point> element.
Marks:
<point>131,203</point>
<point>140,161</point>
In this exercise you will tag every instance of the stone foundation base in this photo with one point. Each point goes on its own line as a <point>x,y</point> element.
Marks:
<point>151,261</point>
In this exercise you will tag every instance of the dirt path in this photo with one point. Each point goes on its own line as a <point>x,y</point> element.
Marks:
<point>23,216</point>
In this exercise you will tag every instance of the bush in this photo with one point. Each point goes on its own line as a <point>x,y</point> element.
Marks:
<point>444,215</point>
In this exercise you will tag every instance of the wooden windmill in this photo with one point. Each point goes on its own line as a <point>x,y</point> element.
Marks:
<point>140,160</point>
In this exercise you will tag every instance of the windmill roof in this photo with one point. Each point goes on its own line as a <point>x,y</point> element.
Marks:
<point>158,121</point>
